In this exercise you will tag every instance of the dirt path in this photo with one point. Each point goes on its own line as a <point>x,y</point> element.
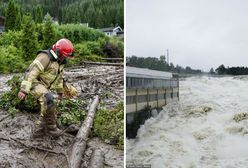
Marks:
<point>19,150</point>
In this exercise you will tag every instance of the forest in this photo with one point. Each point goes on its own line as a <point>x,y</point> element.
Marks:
<point>97,13</point>
<point>24,36</point>
<point>159,64</point>
<point>222,70</point>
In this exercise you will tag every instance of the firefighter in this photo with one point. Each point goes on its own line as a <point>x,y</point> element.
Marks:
<point>43,75</point>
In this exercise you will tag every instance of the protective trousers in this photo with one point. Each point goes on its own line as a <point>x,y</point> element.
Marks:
<point>47,121</point>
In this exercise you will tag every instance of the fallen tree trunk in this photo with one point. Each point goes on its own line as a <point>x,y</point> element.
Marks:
<point>97,159</point>
<point>79,146</point>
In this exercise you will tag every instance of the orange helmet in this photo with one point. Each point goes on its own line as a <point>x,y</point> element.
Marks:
<point>64,48</point>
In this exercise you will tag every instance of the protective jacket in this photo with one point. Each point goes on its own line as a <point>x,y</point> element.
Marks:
<point>45,70</point>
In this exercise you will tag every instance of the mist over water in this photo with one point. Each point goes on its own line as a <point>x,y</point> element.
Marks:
<point>199,130</point>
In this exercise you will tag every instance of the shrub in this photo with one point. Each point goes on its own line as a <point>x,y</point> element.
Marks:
<point>87,51</point>
<point>29,38</point>
<point>70,110</point>
<point>94,47</point>
<point>113,48</point>
<point>48,32</point>
<point>11,38</point>
<point>78,33</point>
<point>10,55</point>
<point>109,125</point>
<point>9,99</point>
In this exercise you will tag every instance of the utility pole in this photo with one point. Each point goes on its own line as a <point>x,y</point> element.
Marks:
<point>168,56</point>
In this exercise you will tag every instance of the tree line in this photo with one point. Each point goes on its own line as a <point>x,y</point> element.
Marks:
<point>222,70</point>
<point>19,47</point>
<point>159,64</point>
<point>97,13</point>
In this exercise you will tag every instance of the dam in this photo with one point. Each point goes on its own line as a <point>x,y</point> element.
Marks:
<point>147,91</point>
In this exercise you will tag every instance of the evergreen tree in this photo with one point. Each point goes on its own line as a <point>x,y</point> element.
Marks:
<point>29,38</point>
<point>158,64</point>
<point>39,15</point>
<point>211,71</point>
<point>99,19</point>
<point>60,17</point>
<point>162,58</point>
<point>11,15</point>
<point>18,19</point>
<point>221,70</point>
<point>172,67</point>
<point>97,13</point>
<point>90,15</point>
<point>49,32</point>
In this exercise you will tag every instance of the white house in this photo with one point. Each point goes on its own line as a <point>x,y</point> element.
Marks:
<point>112,31</point>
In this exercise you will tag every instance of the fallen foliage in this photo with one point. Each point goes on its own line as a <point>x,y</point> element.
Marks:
<point>70,111</point>
<point>108,125</point>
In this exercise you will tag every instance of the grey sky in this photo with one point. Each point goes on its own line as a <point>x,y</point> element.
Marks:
<point>198,33</point>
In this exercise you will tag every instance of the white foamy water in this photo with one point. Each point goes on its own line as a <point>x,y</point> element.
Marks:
<point>199,130</point>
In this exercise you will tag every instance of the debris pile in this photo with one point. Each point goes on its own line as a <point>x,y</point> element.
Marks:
<point>18,149</point>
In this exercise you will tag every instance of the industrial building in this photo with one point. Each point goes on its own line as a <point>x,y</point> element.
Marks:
<point>146,90</point>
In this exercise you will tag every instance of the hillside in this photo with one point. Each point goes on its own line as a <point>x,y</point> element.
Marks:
<point>98,13</point>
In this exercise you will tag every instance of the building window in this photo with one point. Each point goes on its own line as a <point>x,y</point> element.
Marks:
<point>175,94</point>
<point>161,96</point>
<point>148,82</point>
<point>151,83</point>
<point>132,82</point>
<point>141,98</point>
<point>153,97</point>
<point>130,99</point>
<point>128,82</point>
<point>168,95</point>
<point>136,82</point>
<point>167,84</point>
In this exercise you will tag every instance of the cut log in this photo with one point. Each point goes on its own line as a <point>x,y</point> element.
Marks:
<point>96,159</point>
<point>79,146</point>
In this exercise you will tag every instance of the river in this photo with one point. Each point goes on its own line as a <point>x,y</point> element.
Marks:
<point>199,130</point>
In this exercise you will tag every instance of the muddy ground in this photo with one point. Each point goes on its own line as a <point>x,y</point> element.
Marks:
<point>19,150</point>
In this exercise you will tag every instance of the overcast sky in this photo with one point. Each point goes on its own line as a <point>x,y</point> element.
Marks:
<point>199,33</point>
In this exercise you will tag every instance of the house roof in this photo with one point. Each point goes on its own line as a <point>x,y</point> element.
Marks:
<point>110,29</point>
<point>147,73</point>
<point>2,17</point>
<point>107,29</point>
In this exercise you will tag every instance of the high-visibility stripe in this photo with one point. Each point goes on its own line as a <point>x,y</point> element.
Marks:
<point>58,86</point>
<point>27,85</point>
<point>54,55</point>
<point>50,76</point>
<point>40,66</point>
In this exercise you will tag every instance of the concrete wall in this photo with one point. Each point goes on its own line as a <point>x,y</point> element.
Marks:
<point>138,112</point>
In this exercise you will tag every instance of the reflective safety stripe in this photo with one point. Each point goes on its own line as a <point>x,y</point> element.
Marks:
<point>56,87</point>
<point>54,55</point>
<point>40,66</point>
<point>50,76</point>
<point>27,85</point>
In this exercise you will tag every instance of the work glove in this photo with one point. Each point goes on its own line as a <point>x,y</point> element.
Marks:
<point>21,95</point>
<point>70,91</point>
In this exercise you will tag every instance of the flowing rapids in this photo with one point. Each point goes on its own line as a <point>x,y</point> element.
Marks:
<point>207,128</point>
